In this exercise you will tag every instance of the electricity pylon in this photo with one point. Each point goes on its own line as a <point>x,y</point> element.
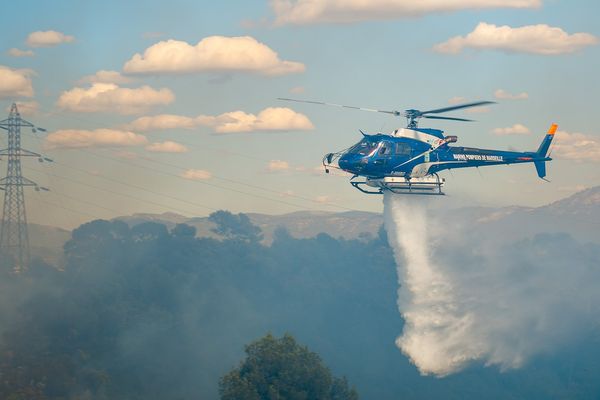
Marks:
<point>14,238</point>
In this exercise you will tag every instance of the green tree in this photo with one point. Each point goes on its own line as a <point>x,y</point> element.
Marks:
<point>232,226</point>
<point>278,369</point>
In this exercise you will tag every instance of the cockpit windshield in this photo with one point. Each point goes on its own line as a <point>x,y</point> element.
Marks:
<point>364,147</point>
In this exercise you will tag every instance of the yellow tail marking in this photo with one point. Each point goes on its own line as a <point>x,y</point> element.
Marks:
<point>552,129</point>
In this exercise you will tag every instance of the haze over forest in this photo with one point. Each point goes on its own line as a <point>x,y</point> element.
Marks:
<point>153,311</point>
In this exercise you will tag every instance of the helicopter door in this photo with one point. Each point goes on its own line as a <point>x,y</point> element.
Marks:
<point>383,154</point>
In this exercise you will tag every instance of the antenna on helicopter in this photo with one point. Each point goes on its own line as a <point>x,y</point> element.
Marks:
<point>412,116</point>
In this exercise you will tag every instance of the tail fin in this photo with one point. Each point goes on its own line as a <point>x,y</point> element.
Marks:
<point>542,152</point>
<point>545,145</point>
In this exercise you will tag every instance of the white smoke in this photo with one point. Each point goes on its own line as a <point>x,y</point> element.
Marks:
<point>465,302</point>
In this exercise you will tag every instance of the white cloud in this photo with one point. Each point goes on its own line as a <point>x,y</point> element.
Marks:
<point>109,97</point>
<point>20,53</point>
<point>278,166</point>
<point>305,12</point>
<point>502,94</point>
<point>104,76</point>
<point>196,174</point>
<point>163,122</point>
<point>535,39</point>
<point>167,147</point>
<point>297,90</point>
<point>269,119</point>
<point>211,54</point>
<point>81,138</point>
<point>48,39</point>
<point>15,82</point>
<point>576,146</point>
<point>323,199</point>
<point>516,129</point>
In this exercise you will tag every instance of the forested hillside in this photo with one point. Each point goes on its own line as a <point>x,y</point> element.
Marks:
<point>148,313</point>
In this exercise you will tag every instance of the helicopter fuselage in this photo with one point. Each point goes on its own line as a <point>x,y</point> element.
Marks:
<point>419,153</point>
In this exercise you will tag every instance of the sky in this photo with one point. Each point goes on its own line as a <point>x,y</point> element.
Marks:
<point>172,106</point>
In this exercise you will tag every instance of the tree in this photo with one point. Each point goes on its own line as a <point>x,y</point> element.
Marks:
<point>184,231</point>
<point>232,226</point>
<point>277,369</point>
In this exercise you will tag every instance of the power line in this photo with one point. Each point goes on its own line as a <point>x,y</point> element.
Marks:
<point>203,182</point>
<point>160,171</point>
<point>292,195</point>
<point>70,167</point>
<point>86,184</point>
<point>61,206</point>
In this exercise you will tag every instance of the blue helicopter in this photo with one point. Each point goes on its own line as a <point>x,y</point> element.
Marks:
<point>408,160</point>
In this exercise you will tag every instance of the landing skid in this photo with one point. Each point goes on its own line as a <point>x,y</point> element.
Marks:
<point>429,185</point>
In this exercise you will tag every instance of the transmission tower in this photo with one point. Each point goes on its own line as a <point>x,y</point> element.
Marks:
<point>14,238</point>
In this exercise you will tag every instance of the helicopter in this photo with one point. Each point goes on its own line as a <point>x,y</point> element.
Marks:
<point>407,161</point>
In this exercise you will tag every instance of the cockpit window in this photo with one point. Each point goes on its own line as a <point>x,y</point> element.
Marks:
<point>364,147</point>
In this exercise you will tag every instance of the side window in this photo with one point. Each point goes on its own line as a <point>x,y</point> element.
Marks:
<point>385,149</point>
<point>403,149</point>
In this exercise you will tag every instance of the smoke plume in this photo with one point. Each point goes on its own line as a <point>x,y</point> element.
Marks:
<point>465,298</point>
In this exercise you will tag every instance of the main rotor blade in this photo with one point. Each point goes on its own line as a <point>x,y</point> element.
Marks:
<point>457,107</point>
<point>340,105</point>
<point>448,118</point>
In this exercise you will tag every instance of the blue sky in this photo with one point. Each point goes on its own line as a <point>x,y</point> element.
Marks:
<point>383,57</point>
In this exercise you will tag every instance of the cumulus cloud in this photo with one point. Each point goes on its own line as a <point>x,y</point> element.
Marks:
<point>109,97</point>
<point>516,129</point>
<point>278,166</point>
<point>576,146</point>
<point>15,82</point>
<point>14,52</point>
<point>305,12</point>
<point>211,54</point>
<point>196,174</point>
<point>104,76</point>
<point>81,138</point>
<point>269,119</point>
<point>48,39</point>
<point>535,39</point>
<point>167,147</point>
<point>163,122</point>
<point>501,94</point>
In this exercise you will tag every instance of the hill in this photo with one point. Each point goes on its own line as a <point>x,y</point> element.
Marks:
<point>577,215</point>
